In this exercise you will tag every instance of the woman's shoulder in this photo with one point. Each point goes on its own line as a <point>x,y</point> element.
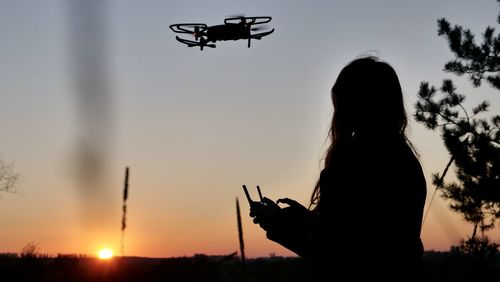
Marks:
<point>381,154</point>
<point>373,155</point>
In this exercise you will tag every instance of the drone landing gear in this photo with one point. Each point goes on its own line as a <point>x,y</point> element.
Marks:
<point>208,45</point>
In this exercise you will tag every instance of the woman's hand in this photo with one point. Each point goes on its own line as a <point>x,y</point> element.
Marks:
<point>294,209</point>
<point>274,219</point>
<point>266,213</point>
<point>289,226</point>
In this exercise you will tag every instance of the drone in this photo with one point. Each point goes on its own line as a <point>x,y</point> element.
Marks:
<point>234,28</point>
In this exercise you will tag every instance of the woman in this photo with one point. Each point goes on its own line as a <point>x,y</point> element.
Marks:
<point>366,209</point>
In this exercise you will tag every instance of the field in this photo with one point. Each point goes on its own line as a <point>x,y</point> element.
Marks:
<point>440,266</point>
<point>196,268</point>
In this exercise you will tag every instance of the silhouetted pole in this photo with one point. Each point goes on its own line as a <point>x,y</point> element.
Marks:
<point>240,237</point>
<point>124,209</point>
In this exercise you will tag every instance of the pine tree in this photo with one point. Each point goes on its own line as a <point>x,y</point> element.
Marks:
<point>472,139</point>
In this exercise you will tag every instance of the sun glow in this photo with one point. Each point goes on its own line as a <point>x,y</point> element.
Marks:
<point>105,253</point>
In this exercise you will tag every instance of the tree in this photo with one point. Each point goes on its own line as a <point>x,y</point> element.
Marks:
<point>30,250</point>
<point>472,140</point>
<point>8,177</point>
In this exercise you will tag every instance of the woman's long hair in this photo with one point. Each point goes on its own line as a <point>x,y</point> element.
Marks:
<point>368,102</point>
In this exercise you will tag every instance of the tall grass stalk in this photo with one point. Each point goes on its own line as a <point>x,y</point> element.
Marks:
<point>240,231</point>
<point>240,237</point>
<point>124,210</point>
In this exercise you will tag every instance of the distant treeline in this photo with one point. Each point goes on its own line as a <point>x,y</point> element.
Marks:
<point>197,268</point>
<point>439,266</point>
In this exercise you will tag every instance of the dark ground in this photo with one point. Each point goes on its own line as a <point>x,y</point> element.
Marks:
<point>440,266</point>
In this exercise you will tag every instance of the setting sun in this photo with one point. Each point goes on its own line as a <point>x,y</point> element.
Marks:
<point>105,254</point>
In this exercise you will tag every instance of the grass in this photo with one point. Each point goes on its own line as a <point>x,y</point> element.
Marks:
<point>195,268</point>
<point>440,266</point>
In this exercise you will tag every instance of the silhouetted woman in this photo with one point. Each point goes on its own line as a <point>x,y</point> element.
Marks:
<point>366,210</point>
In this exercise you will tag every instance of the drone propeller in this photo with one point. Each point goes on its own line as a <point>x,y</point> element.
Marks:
<point>231,18</point>
<point>257,28</point>
<point>236,16</point>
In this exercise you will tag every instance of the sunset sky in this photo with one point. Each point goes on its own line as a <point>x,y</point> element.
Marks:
<point>193,126</point>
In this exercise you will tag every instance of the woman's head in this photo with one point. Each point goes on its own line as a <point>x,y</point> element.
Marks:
<point>368,101</point>
<point>368,105</point>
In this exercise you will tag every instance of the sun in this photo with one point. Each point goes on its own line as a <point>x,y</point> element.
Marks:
<point>105,253</point>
